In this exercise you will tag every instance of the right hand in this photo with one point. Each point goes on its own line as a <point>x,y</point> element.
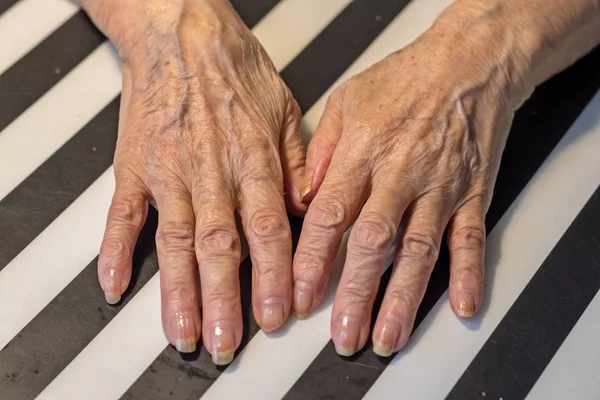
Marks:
<point>207,129</point>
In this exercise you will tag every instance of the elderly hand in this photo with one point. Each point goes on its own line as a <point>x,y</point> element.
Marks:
<point>207,129</point>
<point>414,140</point>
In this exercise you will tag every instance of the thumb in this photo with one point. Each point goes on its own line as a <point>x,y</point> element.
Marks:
<point>321,147</point>
<point>291,152</point>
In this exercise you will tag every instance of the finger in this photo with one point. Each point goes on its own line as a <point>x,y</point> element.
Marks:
<point>269,237</point>
<point>218,252</point>
<point>466,242</point>
<point>369,247</point>
<point>291,152</point>
<point>415,258</point>
<point>178,273</point>
<point>331,213</point>
<point>322,146</point>
<point>126,217</point>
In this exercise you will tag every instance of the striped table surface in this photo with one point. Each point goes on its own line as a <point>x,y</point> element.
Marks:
<point>536,336</point>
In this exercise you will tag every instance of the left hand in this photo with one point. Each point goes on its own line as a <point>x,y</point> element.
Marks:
<point>417,137</point>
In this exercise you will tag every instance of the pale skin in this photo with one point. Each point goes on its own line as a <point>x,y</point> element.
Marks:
<point>208,130</point>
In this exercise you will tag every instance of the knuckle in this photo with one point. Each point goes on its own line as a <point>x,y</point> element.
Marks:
<point>217,242</point>
<point>115,251</point>
<point>373,233</point>
<point>357,292</point>
<point>175,236</point>
<point>126,212</point>
<point>180,292</point>
<point>307,267</point>
<point>403,299</point>
<point>471,273</point>
<point>220,297</point>
<point>269,225</point>
<point>420,246</point>
<point>328,213</point>
<point>468,238</point>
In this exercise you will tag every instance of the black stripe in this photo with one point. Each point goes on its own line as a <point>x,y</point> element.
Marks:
<point>337,47</point>
<point>47,192</point>
<point>537,128</point>
<point>253,11</point>
<point>6,4</point>
<point>72,319</point>
<point>520,348</point>
<point>34,74</point>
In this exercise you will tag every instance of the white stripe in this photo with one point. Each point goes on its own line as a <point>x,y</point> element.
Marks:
<point>27,23</point>
<point>298,22</point>
<point>573,371</point>
<point>516,248</point>
<point>88,368</point>
<point>51,121</point>
<point>281,358</point>
<point>53,259</point>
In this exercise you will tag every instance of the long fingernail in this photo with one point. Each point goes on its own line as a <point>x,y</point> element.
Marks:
<point>386,339</point>
<point>303,298</point>
<point>223,344</point>
<point>346,336</point>
<point>273,314</point>
<point>466,304</point>
<point>185,332</point>
<point>112,285</point>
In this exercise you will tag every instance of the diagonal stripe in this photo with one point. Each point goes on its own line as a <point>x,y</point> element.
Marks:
<point>27,23</point>
<point>27,80</point>
<point>573,372</point>
<point>520,348</point>
<point>57,116</point>
<point>6,4</point>
<point>560,189</point>
<point>46,193</point>
<point>67,324</point>
<point>316,70</point>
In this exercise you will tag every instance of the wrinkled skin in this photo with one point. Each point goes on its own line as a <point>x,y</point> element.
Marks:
<point>426,150</point>
<point>207,129</point>
<point>415,142</point>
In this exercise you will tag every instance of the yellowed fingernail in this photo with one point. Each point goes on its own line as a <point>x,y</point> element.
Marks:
<point>185,332</point>
<point>386,338</point>
<point>185,345</point>
<point>346,336</point>
<point>112,298</point>
<point>273,314</point>
<point>112,286</point>
<point>223,344</point>
<point>303,298</point>
<point>466,304</point>
<point>305,192</point>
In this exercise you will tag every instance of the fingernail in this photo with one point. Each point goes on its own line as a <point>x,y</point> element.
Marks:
<point>305,192</point>
<point>112,285</point>
<point>302,299</point>
<point>273,314</point>
<point>185,332</point>
<point>223,344</point>
<point>307,188</point>
<point>466,304</point>
<point>386,339</point>
<point>346,336</point>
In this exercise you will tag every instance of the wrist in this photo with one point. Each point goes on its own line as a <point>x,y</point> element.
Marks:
<point>487,34</point>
